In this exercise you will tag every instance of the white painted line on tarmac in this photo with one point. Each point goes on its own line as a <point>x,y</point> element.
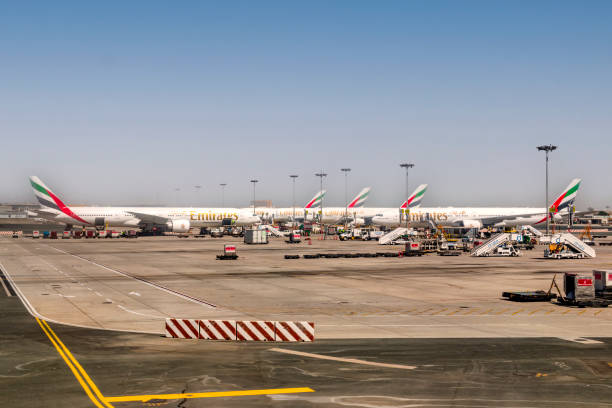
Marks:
<point>98,293</point>
<point>138,313</point>
<point>581,340</point>
<point>344,360</point>
<point>34,312</point>
<point>152,284</point>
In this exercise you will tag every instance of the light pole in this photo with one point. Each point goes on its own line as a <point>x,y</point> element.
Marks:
<point>254,182</point>
<point>321,175</point>
<point>293,177</point>
<point>346,172</point>
<point>547,149</point>
<point>406,166</point>
<point>223,194</point>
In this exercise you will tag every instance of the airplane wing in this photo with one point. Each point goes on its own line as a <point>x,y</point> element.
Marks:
<point>149,218</point>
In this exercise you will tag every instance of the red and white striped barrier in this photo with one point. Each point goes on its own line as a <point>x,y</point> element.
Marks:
<point>218,329</point>
<point>255,331</point>
<point>182,328</point>
<point>10,233</point>
<point>239,330</point>
<point>294,331</point>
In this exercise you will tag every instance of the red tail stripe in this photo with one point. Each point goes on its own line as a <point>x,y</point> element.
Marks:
<point>64,208</point>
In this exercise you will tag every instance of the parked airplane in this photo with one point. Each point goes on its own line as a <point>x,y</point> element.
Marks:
<point>355,211</point>
<point>312,210</point>
<point>270,215</point>
<point>171,219</point>
<point>364,215</point>
<point>478,217</point>
<point>335,215</point>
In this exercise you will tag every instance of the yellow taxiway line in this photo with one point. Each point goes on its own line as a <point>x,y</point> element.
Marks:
<point>145,398</point>
<point>88,385</point>
<point>100,401</point>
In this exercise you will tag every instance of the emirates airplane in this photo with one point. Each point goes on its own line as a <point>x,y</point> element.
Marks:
<point>312,210</point>
<point>170,219</point>
<point>478,217</point>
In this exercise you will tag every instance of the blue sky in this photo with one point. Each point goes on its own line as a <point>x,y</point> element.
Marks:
<point>123,102</point>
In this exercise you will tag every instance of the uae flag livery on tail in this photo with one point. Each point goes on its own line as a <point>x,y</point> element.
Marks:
<point>360,199</point>
<point>48,200</point>
<point>565,200</point>
<point>416,197</point>
<point>316,200</point>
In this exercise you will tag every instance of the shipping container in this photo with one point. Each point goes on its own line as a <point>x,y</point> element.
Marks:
<point>255,236</point>
<point>579,287</point>
<point>603,279</point>
<point>35,234</point>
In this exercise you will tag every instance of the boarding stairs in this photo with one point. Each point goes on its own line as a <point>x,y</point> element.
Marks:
<point>532,230</point>
<point>491,244</point>
<point>272,230</point>
<point>392,236</point>
<point>574,243</point>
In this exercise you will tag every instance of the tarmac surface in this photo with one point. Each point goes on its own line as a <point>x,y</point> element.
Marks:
<point>134,284</point>
<point>391,332</point>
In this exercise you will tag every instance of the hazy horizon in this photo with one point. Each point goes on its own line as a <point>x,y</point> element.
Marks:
<point>113,103</point>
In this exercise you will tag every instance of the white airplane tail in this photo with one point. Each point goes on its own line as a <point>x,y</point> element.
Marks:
<point>415,198</point>
<point>360,198</point>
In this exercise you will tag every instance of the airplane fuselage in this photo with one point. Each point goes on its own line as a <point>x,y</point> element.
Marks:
<point>124,216</point>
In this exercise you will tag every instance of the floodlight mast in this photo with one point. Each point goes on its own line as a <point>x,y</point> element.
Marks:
<point>254,182</point>
<point>547,149</point>
<point>345,171</point>
<point>293,177</point>
<point>406,166</point>
<point>321,175</point>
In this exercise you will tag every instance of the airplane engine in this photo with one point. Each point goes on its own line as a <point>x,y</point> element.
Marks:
<point>471,223</point>
<point>178,225</point>
<point>226,222</point>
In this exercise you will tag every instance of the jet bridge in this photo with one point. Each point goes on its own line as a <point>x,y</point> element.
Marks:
<point>491,244</point>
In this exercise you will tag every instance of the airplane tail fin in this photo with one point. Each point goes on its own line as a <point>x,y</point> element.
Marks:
<point>48,200</point>
<point>567,197</point>
<point>415,198</point>
<point>44,195</point>
<point>316,200</point>
<point>360,199</point>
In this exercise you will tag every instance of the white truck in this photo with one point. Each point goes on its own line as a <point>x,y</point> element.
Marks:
<point>563,254</point>
<point>504,250</point>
